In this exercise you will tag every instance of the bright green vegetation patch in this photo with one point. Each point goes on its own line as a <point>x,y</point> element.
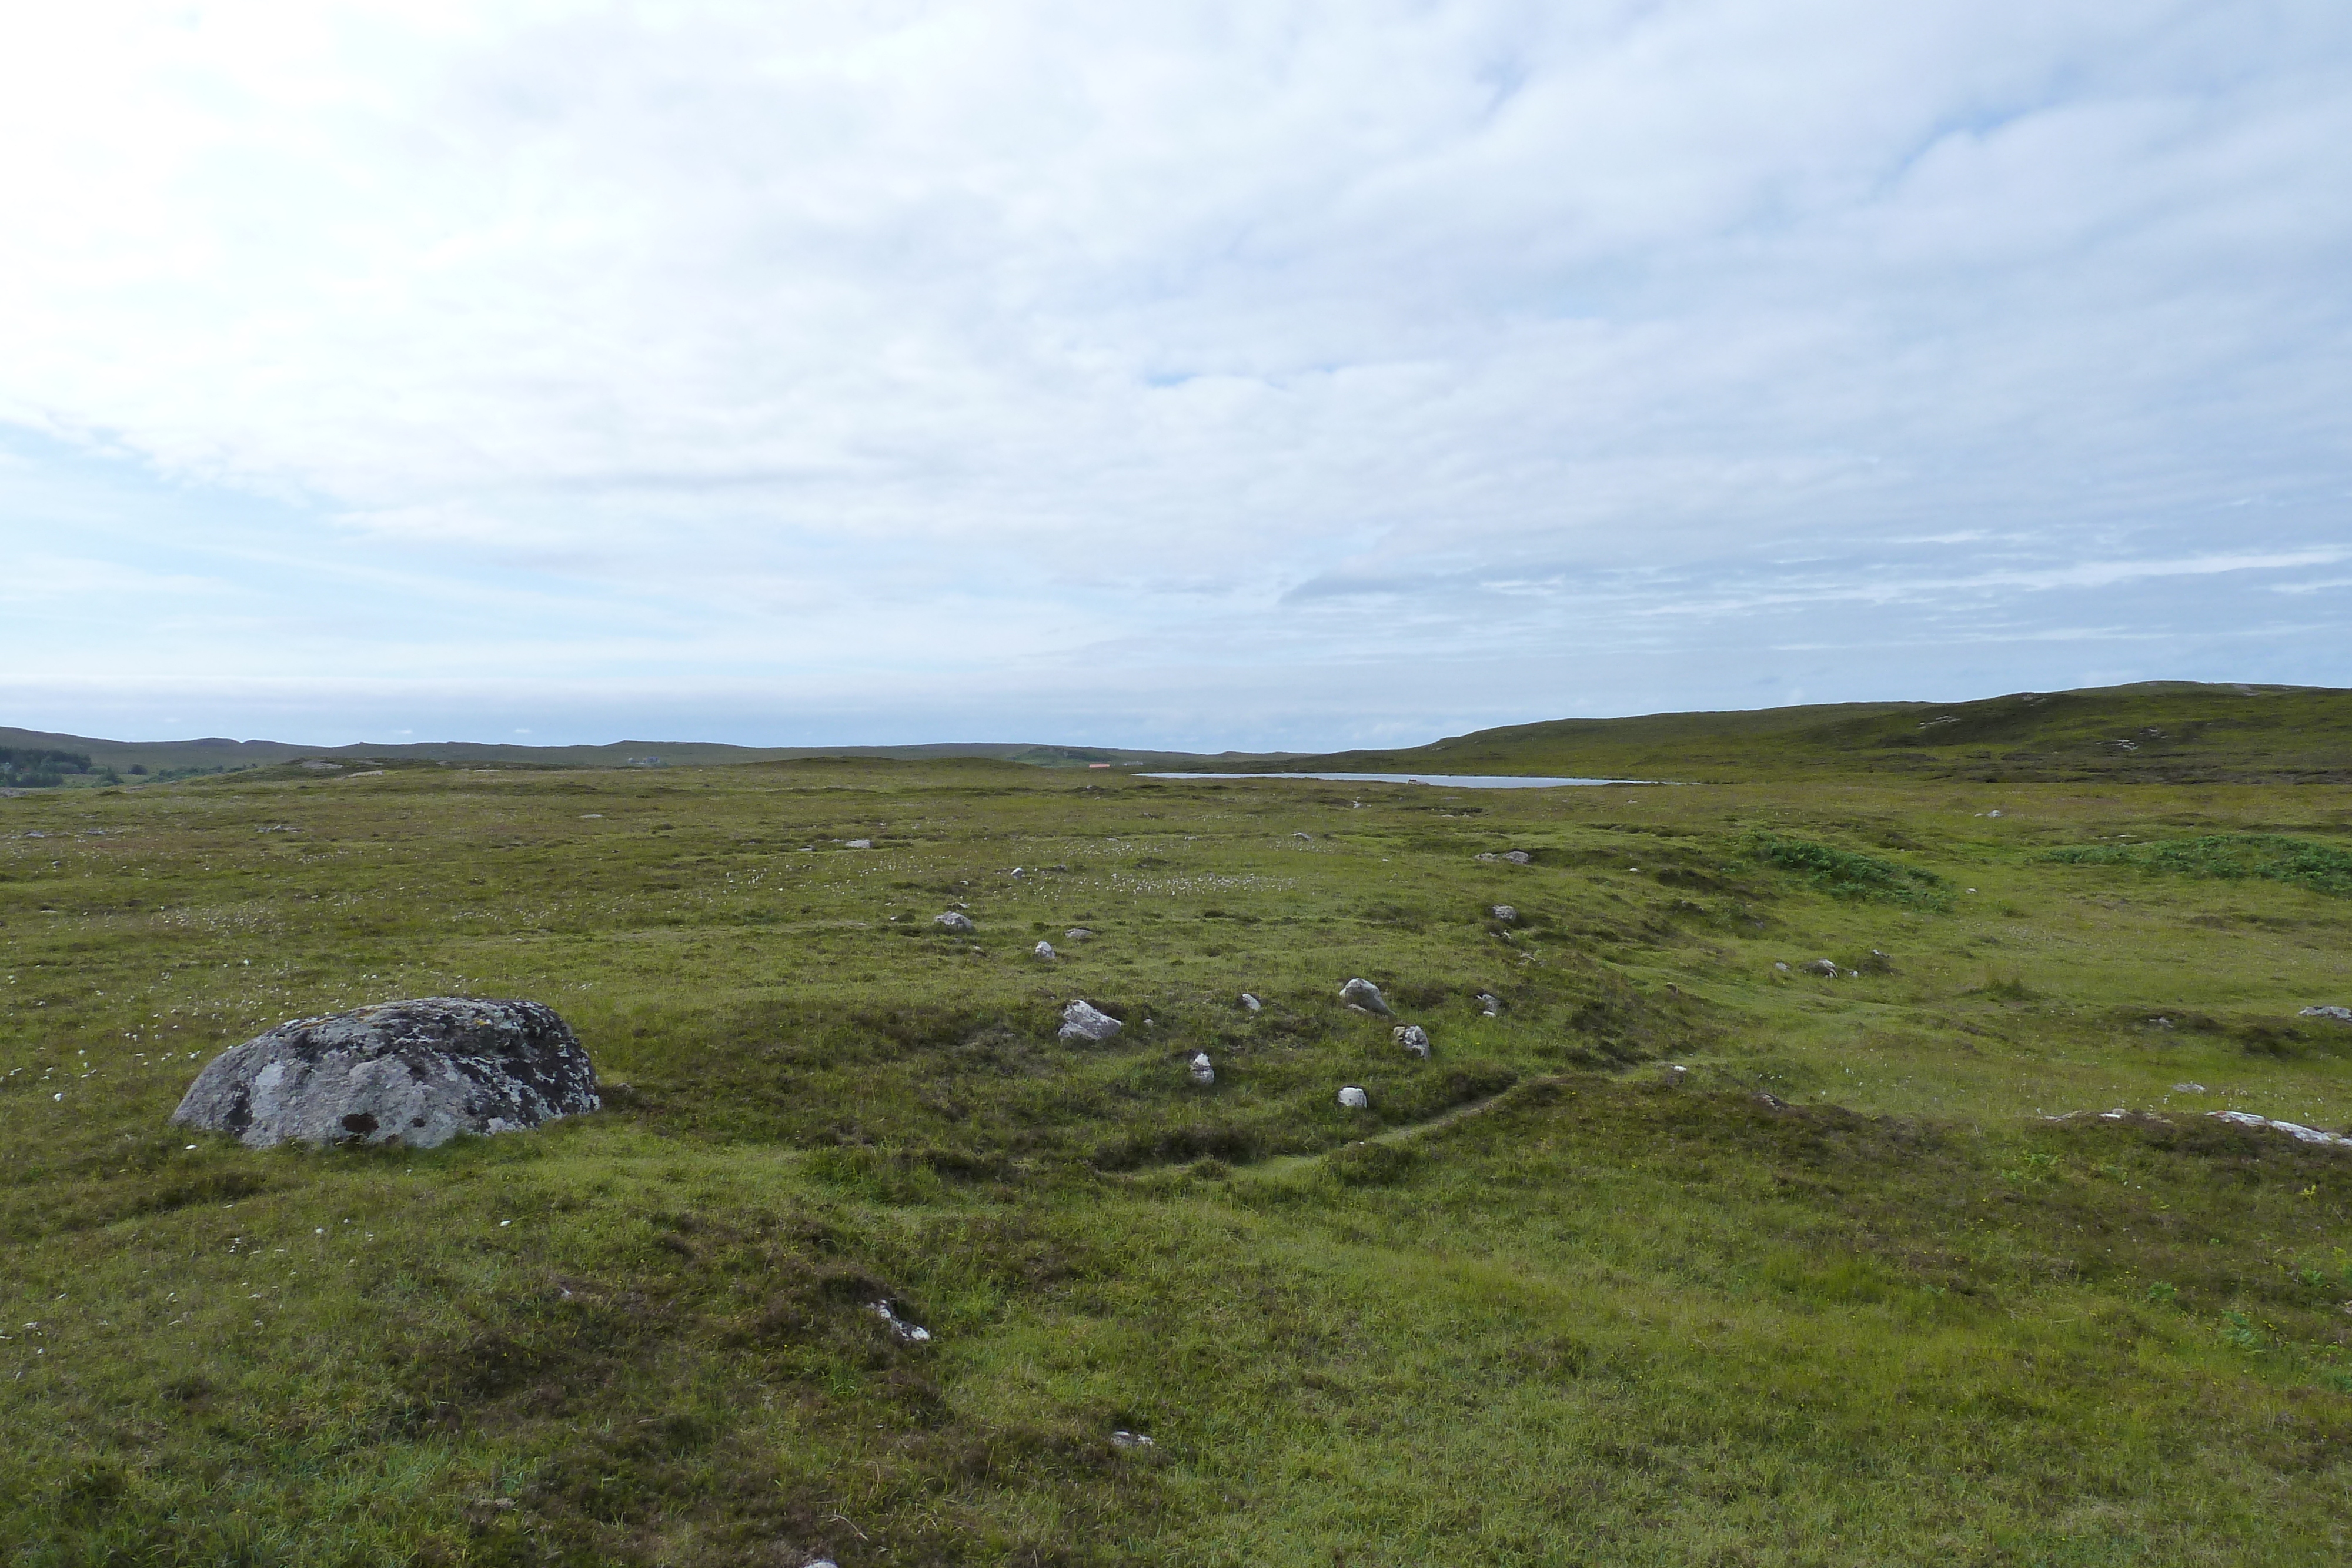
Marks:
<point>1843,873</point>
<point>1667,1254</point>
<point>2234,856</point>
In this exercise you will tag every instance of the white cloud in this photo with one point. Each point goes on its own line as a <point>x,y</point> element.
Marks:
<point>850,348</point>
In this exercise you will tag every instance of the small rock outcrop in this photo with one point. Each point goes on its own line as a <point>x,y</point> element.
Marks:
<point>1078,934</point>
<point>2295,1130</point>
<point>2341,1014</point>
<point>953,921</point>
<point>1084,1020</point>
<point>412,1072</point>
<point>1130,1440</point>
<point>1045,950</point>
<point>1820,967</point>
<point>1490,1004</point>
<point>1251,1002</point>
<point>858,843</point>
<point>1518,857</point>
<point>1413,1037</point>
<point>1505,913</point>
<point>1354,1099</point>
<point>902,1330</point>
<point>1203,1072</point>
<point>1364,997</point>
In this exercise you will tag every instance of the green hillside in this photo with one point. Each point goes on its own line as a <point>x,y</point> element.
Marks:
<point>2154,732</point>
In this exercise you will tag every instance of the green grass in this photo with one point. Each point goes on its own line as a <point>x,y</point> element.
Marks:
<point>1834,1294</point>
<point>2323,868</point>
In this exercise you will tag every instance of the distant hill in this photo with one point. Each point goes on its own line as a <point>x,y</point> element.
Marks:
<point>2155,731</point>
<point>213,754</point>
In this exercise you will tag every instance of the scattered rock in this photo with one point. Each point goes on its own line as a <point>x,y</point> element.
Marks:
<point>1365,997</point>
<point>1252,1003</point>
<point>1045,950</point>
<point>858,843</point>
<point>1078,934</point>
<point>1518,857</point>
<point>1769,1100</point>
<point>1308,837</point>
<point>1820,967</point>
<point>1783,967</point>
<point>1505,913</point>
<point>1130,1440</point>
<point>412,1072</point>
<point>1490,1004</point>
<point>2189,1089</point>
<point>1203,1072</point>
<point>954,921</point>
<point>2293,1130</point>
<point>1354,1099</point>
<point>2341,1014</point>
<point>1084,1020</point>
<point>902,1330</point>
<point>1019,875</point>
<point>2131,1118</point>
<point>1413,1037</point>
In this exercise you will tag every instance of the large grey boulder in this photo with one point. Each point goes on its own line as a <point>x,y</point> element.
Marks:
<point>413,1072</point>
<point>952,921</point>
<point>1084,1020</point>
<point>1364,997</point>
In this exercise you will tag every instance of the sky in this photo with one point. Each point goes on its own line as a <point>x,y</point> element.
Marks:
<point>1255,375</point>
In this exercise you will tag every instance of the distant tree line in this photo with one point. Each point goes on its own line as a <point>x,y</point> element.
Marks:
<point>24,767</point>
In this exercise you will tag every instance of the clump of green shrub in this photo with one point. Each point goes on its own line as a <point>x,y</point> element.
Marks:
<point>1845,873</point>
<point>2232,856</point>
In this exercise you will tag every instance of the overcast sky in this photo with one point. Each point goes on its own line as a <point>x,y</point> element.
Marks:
<point>1251,374</point>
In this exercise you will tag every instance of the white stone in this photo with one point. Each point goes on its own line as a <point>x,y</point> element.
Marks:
<point>1364,997</point>
<point>1130,1440</point>
<point>2341,1014</point>
<point>2292,1129</point>
<point>1045,950</point>
<point>858,844</point>
<point>1251,1002</point>
<point>1084,1020</point>
<point>952,921</point>
<point>1202,1072</point>
<point>1353,1099</point>
<point>1505,913</point>
<point>1413,1037</point>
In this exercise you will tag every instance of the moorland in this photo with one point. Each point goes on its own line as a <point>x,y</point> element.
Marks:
<point>1680,1256</point>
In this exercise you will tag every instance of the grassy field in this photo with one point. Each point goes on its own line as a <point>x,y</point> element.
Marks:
<point>1836,1293</point>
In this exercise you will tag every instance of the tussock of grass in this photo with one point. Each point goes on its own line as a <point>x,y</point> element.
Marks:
<point>1845,874</point>
<point>2272,857</point>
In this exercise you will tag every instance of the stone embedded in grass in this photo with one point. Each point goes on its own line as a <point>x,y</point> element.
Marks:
<point>412,1072</point>
<point>1078,934</point>
<point>858,843</point>
<point>1251,1002</point>
<point>1364,997</point>
<point>1354,1099</point>
<point>953,921</point>
<point>1518,857</point>
<point>1203,1072</point>
<point>1490,1004</point>
<point>1505,913</point>
<point>1130,1440</point>
<point>902,1330</point>
<point>1083,1021</point>
<point>1821,967</point>
<point>1307,836</point>
<point>1045,950</point>
<point>2341,1014</point>
<point>1413,1037</point>
<point>2295,1130</point>
<point>2189,1089</point>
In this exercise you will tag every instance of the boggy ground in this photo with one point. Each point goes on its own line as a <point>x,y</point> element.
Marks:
<point>1541,1303</point>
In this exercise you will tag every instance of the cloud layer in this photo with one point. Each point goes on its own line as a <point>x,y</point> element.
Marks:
<point>1199,374</point>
